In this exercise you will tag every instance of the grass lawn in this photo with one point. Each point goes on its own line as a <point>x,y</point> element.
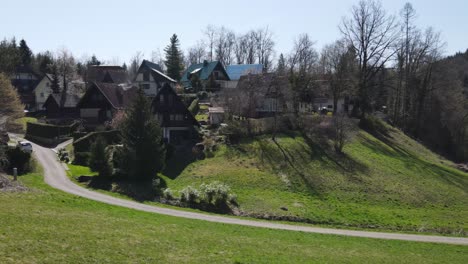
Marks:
<point>48,226</point>
<point>22,121</point>
<point>201,117</point>
<point>391,184</point>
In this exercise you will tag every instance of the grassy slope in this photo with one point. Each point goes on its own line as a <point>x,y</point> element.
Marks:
<point>49,226</point>
<point>395,185</point>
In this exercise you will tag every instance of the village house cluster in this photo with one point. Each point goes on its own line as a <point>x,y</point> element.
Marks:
<point>107,89</point>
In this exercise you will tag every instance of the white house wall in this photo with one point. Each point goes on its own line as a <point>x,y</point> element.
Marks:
<point>42,92</point>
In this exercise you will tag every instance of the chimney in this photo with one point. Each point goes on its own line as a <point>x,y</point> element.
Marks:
<point>205,63</point>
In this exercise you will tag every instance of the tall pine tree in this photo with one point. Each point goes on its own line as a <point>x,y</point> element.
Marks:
<point>25,53</point>
<point>173,60</point>
<point>144,151</point>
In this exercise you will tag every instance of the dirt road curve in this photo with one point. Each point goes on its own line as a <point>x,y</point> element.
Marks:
<point>55,176</point>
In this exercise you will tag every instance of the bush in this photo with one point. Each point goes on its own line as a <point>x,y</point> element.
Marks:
<point>49,131</point>
<point>63,155</point>
<point>215,193</point>
<point>194,107</point>
<point>81,158</point>
<point>189,195</point>
<point>99,159</point>
<point>167,194</point>
<point>19,159</point>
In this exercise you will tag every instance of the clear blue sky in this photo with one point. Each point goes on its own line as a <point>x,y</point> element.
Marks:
<point>115,30</point>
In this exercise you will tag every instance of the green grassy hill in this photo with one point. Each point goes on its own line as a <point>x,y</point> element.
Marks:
<point>393,183</point>
<point>48,226</point>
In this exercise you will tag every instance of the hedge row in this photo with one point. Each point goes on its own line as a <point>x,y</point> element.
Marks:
<point>49,131</point>
<point>83,144</point>
<point>194,107</point>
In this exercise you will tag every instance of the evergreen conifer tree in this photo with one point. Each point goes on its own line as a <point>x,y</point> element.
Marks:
<point>144,151</point>
<point>99,160</point>
<point>173,60</point>
<point>25,53</point>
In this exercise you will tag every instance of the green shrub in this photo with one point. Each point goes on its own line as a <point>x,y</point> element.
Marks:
<point>63,155</point>
<point>99,159</point>
<point>167,194</point>
<point>216,193</point>
<point>19,159</point>
<point>189,195</point>
<point>49,131</point>
<point>194,107</point>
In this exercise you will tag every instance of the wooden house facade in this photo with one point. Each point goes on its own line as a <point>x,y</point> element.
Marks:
<point>176,121</point>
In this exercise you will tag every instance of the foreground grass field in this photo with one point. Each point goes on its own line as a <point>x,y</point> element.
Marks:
<point>48,226</point>
<point>393,183</point>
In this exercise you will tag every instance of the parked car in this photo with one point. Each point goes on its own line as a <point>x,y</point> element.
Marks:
<point>25,146</point>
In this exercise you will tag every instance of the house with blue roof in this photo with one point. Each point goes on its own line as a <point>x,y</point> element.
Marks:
<point>236,71</point>
<point>209,76</point>
<point>150,78</point>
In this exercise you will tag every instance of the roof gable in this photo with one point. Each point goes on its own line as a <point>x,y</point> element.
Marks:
<point>176,107</point>
<point>117,96</point>
<point>204,70</point>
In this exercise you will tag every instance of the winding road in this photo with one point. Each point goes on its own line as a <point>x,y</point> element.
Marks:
<point>55,176</point>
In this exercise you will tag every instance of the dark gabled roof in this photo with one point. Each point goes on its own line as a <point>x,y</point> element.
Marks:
<point>108,74</point>
<point>118,95</point>
<point>236,71</point>
<point>151,65</point>
<point>177,107</point>
<point>71,100</point>
<point>156,71</point>
<point>203,70</point>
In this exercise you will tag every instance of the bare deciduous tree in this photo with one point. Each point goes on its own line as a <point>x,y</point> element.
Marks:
<point>210,33</point>
<point>343,129</point>
<point>135,63</point>
<point>372,33</point>
<point>337,65</point>
<point>302,63</point>
<point>265,47</point>
<point>196,54</point>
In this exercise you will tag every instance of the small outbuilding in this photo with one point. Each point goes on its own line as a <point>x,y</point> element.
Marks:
<point>215,115</point>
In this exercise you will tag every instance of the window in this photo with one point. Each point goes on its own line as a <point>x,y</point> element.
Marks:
<point>216,74</point>
<point>146,77</point>
<point>161,99</point>
<point>47,84</point>
<point>42,95</point>
<point>329,106</point>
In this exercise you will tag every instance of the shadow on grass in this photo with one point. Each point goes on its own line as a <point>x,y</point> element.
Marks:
<point>181,158</point>
<point>137,190</point>
<point>391,149</point>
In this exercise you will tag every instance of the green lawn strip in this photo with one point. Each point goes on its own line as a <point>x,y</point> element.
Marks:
<point>23,120</point>
<point>46,225</point>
